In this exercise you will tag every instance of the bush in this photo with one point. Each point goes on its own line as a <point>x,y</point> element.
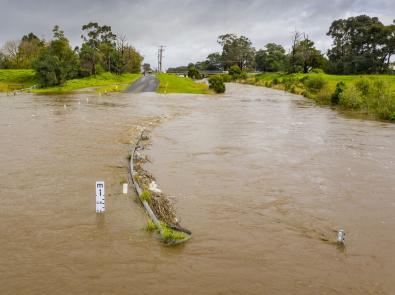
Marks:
<point>363,85</point>
<point>335,97</point>
<point>217,84</point>
<point>234,70</point>
<point>351,98</point>
<point>315,83</point>
<point>226,78</point>
<point>194,73</point>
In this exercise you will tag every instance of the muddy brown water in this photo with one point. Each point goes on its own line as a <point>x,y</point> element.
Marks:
<point>262,178</point>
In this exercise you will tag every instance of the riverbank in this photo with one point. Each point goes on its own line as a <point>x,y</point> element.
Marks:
<point>372,96</point>
<point>171,83</point>
<point>16,79</point>
<point>11,80</point>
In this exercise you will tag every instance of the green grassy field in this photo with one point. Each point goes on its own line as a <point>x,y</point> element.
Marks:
<point>170,83</point>
<point>16,79</point>
<point>370,95</point>
<point>106,82</point>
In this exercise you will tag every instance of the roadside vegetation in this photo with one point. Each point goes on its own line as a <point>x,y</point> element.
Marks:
<point>371,95</point>
<point>356,73</point>
<point>105,82</point>
<point>171,83</point>
<point>62,68</point>
<point>16,79</point>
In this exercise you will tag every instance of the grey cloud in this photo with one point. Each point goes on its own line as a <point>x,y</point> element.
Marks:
<point>189,29</point>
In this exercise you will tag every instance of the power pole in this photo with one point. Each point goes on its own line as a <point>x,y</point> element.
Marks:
<point>160,57</point>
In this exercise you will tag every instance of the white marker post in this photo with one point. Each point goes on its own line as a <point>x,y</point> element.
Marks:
<point>125,188</point>
<point>100,201</point>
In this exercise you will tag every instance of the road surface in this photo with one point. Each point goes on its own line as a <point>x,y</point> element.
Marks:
<point>144,84</point>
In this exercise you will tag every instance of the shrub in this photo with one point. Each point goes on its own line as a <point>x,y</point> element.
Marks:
<point>335,97</point>
<point>315,83</point>
<point>234,70</point>
<point>194,73</point>
<point>363,85</point>
<point>217,84</point>
<point>227,78</point>
<point>351,98</point>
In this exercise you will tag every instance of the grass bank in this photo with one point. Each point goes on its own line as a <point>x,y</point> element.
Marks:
<point>105,82</point>
<point>171,83</point>
<point>16,79</point>
<point>370,95</point>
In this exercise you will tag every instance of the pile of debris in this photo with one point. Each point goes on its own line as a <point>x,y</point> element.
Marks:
<point>159,203</point>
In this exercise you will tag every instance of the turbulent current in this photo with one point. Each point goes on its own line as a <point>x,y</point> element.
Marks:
<point>263,179</point>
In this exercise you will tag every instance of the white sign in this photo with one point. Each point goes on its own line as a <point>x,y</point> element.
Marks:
<point>100,201</point>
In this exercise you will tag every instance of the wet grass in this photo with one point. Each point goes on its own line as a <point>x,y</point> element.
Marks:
<point>370,95</point>
<point>171,83</point>
<point>169,236</point>
<point>105,82</point>
<point>150,226</point>
<point>146,196</point>
<point>16,79</point>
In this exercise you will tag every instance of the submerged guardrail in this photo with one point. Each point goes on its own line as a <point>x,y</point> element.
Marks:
<point>171,234</point>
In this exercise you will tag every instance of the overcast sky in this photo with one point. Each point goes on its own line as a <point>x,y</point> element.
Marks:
<point>189,29</point>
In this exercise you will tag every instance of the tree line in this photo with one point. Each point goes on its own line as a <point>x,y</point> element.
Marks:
<point>55,61</point>
<point>361,45</point>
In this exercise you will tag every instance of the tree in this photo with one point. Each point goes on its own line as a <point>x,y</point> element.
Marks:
<point>293,56</point>
<point>98,46</point>
<point>214,62</point>
<point>271,59</point>
<point>361,44</point>
<point>57,62</point>
<point>10,52</point>
<point>29,49</point>
<point>130,60</point>
<point>146,68</point>
<point>310,57</point>
<point>304,56</point>
<point>193,72</point>
<point>236,50</point>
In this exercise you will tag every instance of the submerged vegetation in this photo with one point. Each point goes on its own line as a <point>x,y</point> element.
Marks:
<point>372,95</point>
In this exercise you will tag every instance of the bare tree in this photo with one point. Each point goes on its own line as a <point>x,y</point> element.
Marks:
<point>296,38</point>
<point>10,50</point>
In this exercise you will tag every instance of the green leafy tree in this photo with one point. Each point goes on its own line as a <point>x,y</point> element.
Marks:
<point>29,49</point>
<point>98,47</point>
<point>304,56</point>
<point>236,51</point>
<point>130,60</point>
<point>361,44</point>
<point>271,59</point>
<point>193,72</point>
<point>57,62</point>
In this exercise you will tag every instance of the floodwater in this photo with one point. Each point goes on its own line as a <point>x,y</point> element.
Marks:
<point>263,179</point>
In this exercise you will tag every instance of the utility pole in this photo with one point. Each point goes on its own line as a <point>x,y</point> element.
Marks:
<point>160,57</point>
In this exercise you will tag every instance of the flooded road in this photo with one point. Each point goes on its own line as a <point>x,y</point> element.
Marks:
<point>263,179</point>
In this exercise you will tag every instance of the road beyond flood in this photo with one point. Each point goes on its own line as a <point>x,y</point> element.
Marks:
<point>145,84</point>
<point>262,178</point>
